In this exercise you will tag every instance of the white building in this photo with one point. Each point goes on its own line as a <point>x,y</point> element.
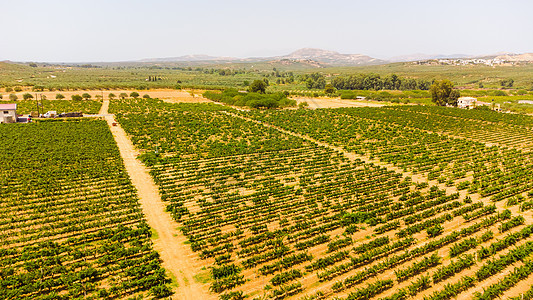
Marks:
<point>466,102</point>
<point>8,113</point>
<point>525,101</point>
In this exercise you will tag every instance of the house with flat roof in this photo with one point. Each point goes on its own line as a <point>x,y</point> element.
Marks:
<point>466,102</point>
<point>8,113</point>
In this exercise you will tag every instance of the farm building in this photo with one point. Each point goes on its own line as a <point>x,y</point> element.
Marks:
<point>525,101</point>
<point>466,102</point>
<point>8,113</point>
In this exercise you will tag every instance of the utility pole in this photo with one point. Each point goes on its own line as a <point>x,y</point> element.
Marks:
<point>37,100</point>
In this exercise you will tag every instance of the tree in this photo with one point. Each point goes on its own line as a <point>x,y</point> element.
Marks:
<point>13,97</point>
<point>9,89</point>
<point>27,96</point>
<point>17,89</point>
<point>123,95</point>
<point>258,86</point>
<point>76,97</point>
<point>507,82</point>
<point>303,105</point>
<point>43,97</point>
<point>86,96</point>
<point>329,89</point>
<point>60,96</point>
<point>134,94</point>
<point>146,96</point>
<point>111,96</point>
<point>442,93</point>
<point>1,96</point>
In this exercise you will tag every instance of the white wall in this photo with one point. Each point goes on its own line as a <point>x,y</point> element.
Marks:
<point>10,113</point>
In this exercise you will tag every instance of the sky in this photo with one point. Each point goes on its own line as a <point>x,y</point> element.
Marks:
<point>121,30</point>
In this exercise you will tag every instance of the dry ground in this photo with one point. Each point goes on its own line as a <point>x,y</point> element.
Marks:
<point>177,256</point>
<point>315,103</point>
<point>164,94</point>
<point>184,264</point>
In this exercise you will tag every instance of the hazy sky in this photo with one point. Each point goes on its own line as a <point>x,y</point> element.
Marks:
<point>116,30</point>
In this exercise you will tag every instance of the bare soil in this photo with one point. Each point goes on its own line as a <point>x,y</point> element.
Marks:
<point>193,96</point>
<point>315,103</point>
<point>177,256</point>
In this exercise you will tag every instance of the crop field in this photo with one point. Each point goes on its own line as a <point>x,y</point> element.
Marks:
<point>351,203</point>
<point>84,106</point>
<point>70,222</point>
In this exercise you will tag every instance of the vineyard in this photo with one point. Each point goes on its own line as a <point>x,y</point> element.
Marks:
<point>60,106</point>
<point>70,222</point>
<point>352,203</point>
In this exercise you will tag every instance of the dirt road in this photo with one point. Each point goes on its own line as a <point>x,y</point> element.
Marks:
<point>315,103</point>
<point>177,257</point>
<point>192,96</point>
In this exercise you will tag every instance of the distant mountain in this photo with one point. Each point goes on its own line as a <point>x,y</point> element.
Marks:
<point>525,57</point>
<point>318,57</point>
<point>422,56</point>
<point>188,58</point>
<point>506,56</point>
<point>332,57</point>
<point>323,58</point>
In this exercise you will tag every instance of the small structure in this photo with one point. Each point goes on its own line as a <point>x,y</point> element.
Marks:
<point>466,102</point>
<point>525,101</point>
<point>50,114</point>
<point>71,115</point>
<point>360,98</point>
<point>8,113</point>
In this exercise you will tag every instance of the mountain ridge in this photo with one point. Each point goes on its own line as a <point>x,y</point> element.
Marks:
<point>323,58</point>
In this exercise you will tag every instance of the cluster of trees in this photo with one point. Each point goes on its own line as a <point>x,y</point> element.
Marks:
<point>314,81</point>
<point>154,78</point>
<point>374,81</point>
<point>507,82</point>
<point>256,99</point>
<point>442,93</point>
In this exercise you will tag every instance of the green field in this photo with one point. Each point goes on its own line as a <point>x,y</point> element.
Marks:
<point>63,77</point>
<point>71,226</point>
<point>395,202</point>
<point>281,78</point>
<point>278,215</point>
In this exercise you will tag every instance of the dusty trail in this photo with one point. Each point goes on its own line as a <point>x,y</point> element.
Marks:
<point>177,257</point>
<point>416,178</point>
<point>104,108</point>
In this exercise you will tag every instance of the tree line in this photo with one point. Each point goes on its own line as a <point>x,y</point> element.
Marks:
<point>374,81</point>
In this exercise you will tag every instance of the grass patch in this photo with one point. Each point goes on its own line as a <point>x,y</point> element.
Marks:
<point>203,277</point>
<point>185,279</point>
<point>174,280</point>
<point>155,235</point>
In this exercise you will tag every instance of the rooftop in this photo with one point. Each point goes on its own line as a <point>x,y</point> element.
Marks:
<point>8,106</point>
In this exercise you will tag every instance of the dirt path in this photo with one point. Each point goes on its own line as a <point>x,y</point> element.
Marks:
<point>104,108</point>
<point>177,257</point>
<point>315,103</point>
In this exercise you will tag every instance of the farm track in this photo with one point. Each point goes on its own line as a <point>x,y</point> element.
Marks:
<point>177,257</point>
<point>250,287</point>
